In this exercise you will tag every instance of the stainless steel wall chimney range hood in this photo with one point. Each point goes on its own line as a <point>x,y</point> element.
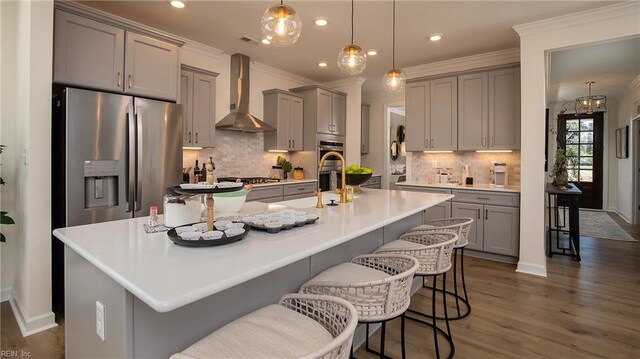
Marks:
<point>240,119</point>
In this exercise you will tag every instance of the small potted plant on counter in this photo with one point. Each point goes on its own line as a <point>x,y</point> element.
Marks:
<point>284,165</point>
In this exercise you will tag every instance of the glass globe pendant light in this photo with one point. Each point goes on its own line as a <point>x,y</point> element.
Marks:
<point>351,59</point>
<point>281,25</point>
<point>394,79</point>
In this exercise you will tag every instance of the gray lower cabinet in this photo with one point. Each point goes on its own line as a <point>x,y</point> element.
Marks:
<point>96,54</point>
<point>198,98</point>
<point>496,229</point>
<point>474,211</point>
<point>283,110</point>
<point>364,129</point>
<point>502,230</point>
<point>439,211</point>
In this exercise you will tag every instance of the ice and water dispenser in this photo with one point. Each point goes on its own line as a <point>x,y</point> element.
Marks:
<point>101,183</point>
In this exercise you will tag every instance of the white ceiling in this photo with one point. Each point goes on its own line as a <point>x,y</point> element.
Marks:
<point>470,27</point>
<point>612,65</point>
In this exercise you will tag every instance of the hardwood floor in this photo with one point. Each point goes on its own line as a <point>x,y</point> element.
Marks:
<point>48,344</point>
<point>581,310</point>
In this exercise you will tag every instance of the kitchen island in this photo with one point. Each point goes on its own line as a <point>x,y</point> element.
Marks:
<point>160,297</point>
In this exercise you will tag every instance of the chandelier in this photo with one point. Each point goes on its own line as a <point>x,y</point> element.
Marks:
<point>592,103</point>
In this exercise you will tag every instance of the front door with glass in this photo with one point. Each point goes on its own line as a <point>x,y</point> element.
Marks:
<point>582,138</point>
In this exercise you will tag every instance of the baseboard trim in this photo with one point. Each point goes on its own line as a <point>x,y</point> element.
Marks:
<point>5,294</point>
<point>534,269</point>
<point>623,216</point>
<point>30,326</point>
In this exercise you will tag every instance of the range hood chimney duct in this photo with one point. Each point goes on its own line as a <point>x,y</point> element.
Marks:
<point>240,119</point>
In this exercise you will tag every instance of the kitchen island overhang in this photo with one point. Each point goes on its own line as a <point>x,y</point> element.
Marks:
<point>159,283</point>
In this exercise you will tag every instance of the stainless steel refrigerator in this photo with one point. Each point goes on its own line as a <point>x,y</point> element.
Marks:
<point>113,156</point>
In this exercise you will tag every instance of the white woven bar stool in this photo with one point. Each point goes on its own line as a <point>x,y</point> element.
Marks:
<point>461,227</point>
<point>433,251</point>
<point>301,326</point>
<point>378,285</point>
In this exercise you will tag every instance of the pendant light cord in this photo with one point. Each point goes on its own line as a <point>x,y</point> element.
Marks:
<point>351,21</point>
<point>393,56</point>
<point>281,2</point>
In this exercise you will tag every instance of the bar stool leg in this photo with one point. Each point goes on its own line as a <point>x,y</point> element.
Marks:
<point>367,338</point>
<point>455,279</point>
<point>464,283</point>
<point>382,337</point>
<point>433,312</point>
<point>402,319</point>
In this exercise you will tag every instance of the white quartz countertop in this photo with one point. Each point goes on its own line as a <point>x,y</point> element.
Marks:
<point>474,187</point>
<point>167,276</point>
<point>285,182</point>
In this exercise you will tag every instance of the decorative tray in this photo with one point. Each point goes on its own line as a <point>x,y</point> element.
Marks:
<point>274,222</point>
<point>196,235</point>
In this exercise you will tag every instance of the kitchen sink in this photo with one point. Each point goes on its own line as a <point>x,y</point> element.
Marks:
<point>310,202</point>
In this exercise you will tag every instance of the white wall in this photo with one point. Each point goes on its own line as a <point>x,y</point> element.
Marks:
<point>614,22</point>
<point>8,12</point>
<point>626,113</point>
<point>31,117</point>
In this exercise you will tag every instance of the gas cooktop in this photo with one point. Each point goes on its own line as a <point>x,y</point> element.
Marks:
<point>249,180</point>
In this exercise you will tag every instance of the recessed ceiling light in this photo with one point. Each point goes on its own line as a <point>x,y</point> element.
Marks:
<point>321,21</point>
<point>322,64</point>
<point>266,41</point>
<point>177,4</point>
<point>436,37</point>
<point>372,52</point>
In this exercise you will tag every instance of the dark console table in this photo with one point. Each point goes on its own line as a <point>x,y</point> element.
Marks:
<point>570,195</point>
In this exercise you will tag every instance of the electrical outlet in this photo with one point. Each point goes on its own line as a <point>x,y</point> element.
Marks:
<point>100,320</point>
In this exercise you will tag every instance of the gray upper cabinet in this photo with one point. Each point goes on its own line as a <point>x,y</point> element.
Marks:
<point>504,109</point>
<point>473,111</point>
<point>91,52</point>
<point>198,97</point>
<point>284,111</point>
<point>364,129</point>
<point>88,53</point>
<point>325,112</point>
<point>432,115</point>
<point>444,114</point>
<point>339,113</point>
<point>489,110</point>
<point>417,109</point>
<point>151,67</point>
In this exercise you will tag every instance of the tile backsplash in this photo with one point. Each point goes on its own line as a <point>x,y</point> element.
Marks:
<point>237,154</point>
<point>424,165</point>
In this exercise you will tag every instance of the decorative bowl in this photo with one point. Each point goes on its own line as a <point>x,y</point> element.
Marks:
<point>229,202</point>
<point>357,179</point>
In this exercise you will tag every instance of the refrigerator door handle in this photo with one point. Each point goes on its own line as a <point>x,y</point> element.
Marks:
<point>131,158</point>
<point>138,196</point>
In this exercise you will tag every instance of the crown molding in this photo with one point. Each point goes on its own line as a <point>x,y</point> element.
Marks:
<point>270,70</point>
<point>202,48</point>
<point>635,83</point>
<point>489,59</point>
<point>357,80</point>
<point>625,9</point>
<point>114,20</point>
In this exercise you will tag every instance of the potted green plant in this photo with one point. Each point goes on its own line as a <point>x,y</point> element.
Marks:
<point>559,172</point>
<point>4,218</point>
